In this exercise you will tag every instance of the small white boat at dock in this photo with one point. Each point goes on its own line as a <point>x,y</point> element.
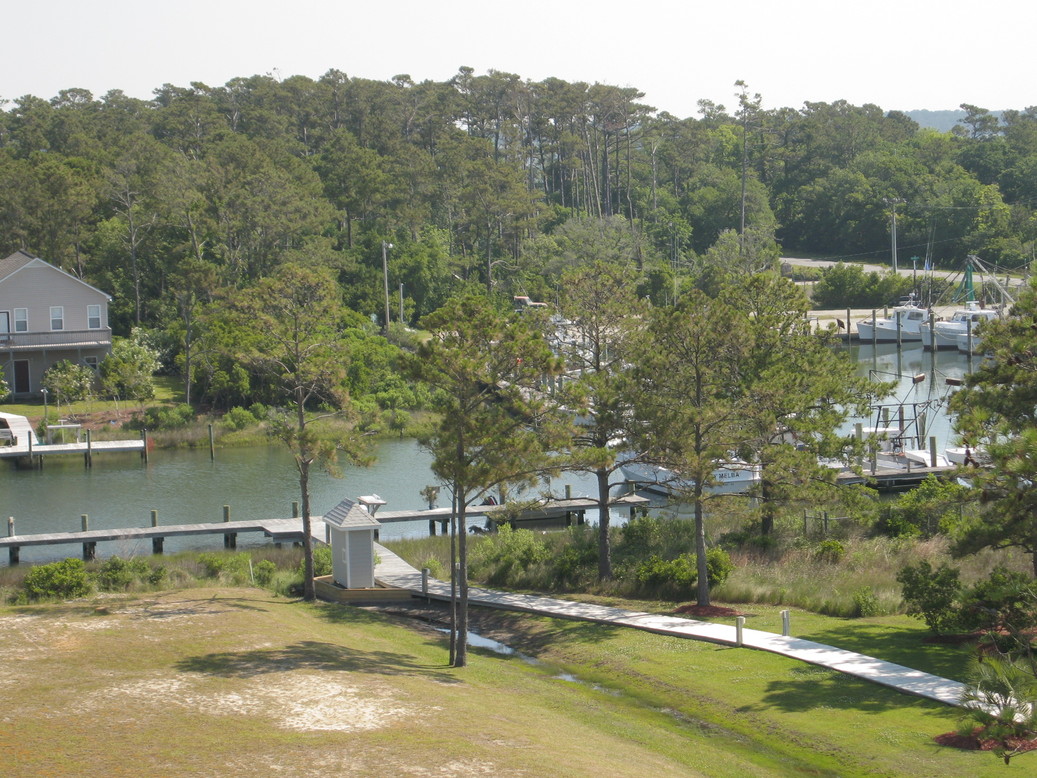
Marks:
<point>906,323</point>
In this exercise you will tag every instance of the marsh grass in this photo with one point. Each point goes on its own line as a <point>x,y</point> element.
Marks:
<point>793,571</point>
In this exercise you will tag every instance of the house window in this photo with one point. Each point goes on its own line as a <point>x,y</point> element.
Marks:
<point>21,319</point>
<point>57,317</point>
<point>90,362</point>
<point>93,317</point>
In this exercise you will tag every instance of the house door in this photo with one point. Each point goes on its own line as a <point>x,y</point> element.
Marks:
<point>5,322</point>
<point>21,376</point>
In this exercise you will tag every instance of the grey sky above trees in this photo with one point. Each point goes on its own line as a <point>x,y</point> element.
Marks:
<point>897,55</point>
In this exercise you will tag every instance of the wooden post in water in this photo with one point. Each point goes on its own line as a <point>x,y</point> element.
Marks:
<point>899,326</point>
<point>230,539</point>
<point>849,329</point>
<point>144,451</point>
<point>212,445</point>
<point>88,456</point>
<point>156,542</point>
<point>89,548</point>
<point>12,552</point>
<point>874,328</point>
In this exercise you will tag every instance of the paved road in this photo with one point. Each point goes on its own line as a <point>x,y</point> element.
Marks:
<point>901,270</point>
<point>396,573</point>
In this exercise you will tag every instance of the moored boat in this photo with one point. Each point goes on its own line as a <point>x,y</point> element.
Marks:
<point>729,477</point>
<point>906,323</point>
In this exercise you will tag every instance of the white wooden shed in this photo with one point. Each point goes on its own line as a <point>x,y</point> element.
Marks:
<point>352,529</point>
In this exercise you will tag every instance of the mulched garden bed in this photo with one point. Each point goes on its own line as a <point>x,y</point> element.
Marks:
<point>976,742</point>
<point>707,611</point>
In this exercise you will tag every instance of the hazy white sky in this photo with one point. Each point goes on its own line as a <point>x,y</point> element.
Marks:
<point>898,54</point>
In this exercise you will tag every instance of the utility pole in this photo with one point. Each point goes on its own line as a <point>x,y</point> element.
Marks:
<point>893,202</point>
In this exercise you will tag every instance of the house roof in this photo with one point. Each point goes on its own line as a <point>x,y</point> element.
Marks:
<point>348,515</point>
<point>21,259</point>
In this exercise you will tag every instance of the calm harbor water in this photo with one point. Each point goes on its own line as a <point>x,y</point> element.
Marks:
<point>184,486</point>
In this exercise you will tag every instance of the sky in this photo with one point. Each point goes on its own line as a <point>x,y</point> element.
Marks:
<point>897,54</point>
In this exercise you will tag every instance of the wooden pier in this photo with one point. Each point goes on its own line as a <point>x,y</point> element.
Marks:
<point>893,479</point>
<point>20,443</point>
<point>571,510</point>
<point>289,530</point>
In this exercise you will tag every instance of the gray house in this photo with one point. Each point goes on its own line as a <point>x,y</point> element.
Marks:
<point>47,315</point>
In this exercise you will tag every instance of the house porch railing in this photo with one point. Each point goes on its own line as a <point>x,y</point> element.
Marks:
<point>25,341</point>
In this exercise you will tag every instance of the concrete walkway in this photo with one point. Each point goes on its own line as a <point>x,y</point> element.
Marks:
<point>394,572</point>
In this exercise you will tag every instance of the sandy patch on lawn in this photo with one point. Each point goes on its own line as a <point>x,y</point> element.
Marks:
<point>295,701</point>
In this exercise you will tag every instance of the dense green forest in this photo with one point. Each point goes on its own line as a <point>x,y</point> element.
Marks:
<point>487,179</point>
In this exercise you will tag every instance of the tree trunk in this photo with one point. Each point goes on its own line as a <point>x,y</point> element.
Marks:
<point>461,652</point>
<point>700,551</point>
<point>604,531</point>
<point>308,591</point>
<point>767,509</point>
<point>453,575</point>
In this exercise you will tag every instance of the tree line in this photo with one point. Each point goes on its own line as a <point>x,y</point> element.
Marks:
<point>491,180</point>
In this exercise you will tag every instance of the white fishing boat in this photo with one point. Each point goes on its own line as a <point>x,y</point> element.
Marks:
<point>732,477</point>
<point>906,323</point>
<point>961,326</point>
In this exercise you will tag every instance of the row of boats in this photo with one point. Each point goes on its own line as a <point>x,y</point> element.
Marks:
<point>910,322</point>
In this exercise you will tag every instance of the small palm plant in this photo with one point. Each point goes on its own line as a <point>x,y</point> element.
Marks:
<point>1001,698</point>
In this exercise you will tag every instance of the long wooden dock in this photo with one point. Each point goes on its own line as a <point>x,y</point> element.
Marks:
<point>279,530</point>
<point>289,530</point>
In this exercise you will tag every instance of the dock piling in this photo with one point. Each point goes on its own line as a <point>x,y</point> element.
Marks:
<point>230,539</point>
<point>88,455</point>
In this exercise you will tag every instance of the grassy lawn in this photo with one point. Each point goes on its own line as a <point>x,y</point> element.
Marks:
<point>238,681</point>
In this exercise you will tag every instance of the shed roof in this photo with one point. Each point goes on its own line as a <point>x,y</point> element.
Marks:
<point>348,515</point>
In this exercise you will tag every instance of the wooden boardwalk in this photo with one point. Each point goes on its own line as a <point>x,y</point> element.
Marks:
<point>395,573</point>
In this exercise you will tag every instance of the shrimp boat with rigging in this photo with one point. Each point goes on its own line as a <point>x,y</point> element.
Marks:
<point>960,330</point>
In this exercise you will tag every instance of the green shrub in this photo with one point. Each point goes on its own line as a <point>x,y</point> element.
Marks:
<point>321,562</point>
<point>830,551</point>
<point>1004,604</point>
<point>117,574</point>
<point>61,580</point>
<point>263,572</point>
<point>678,578</point>
<point>932,595</point>
<point>233,568</point>
<point>865,603</point>
<point>238,419</point>
<point>164,418</point>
